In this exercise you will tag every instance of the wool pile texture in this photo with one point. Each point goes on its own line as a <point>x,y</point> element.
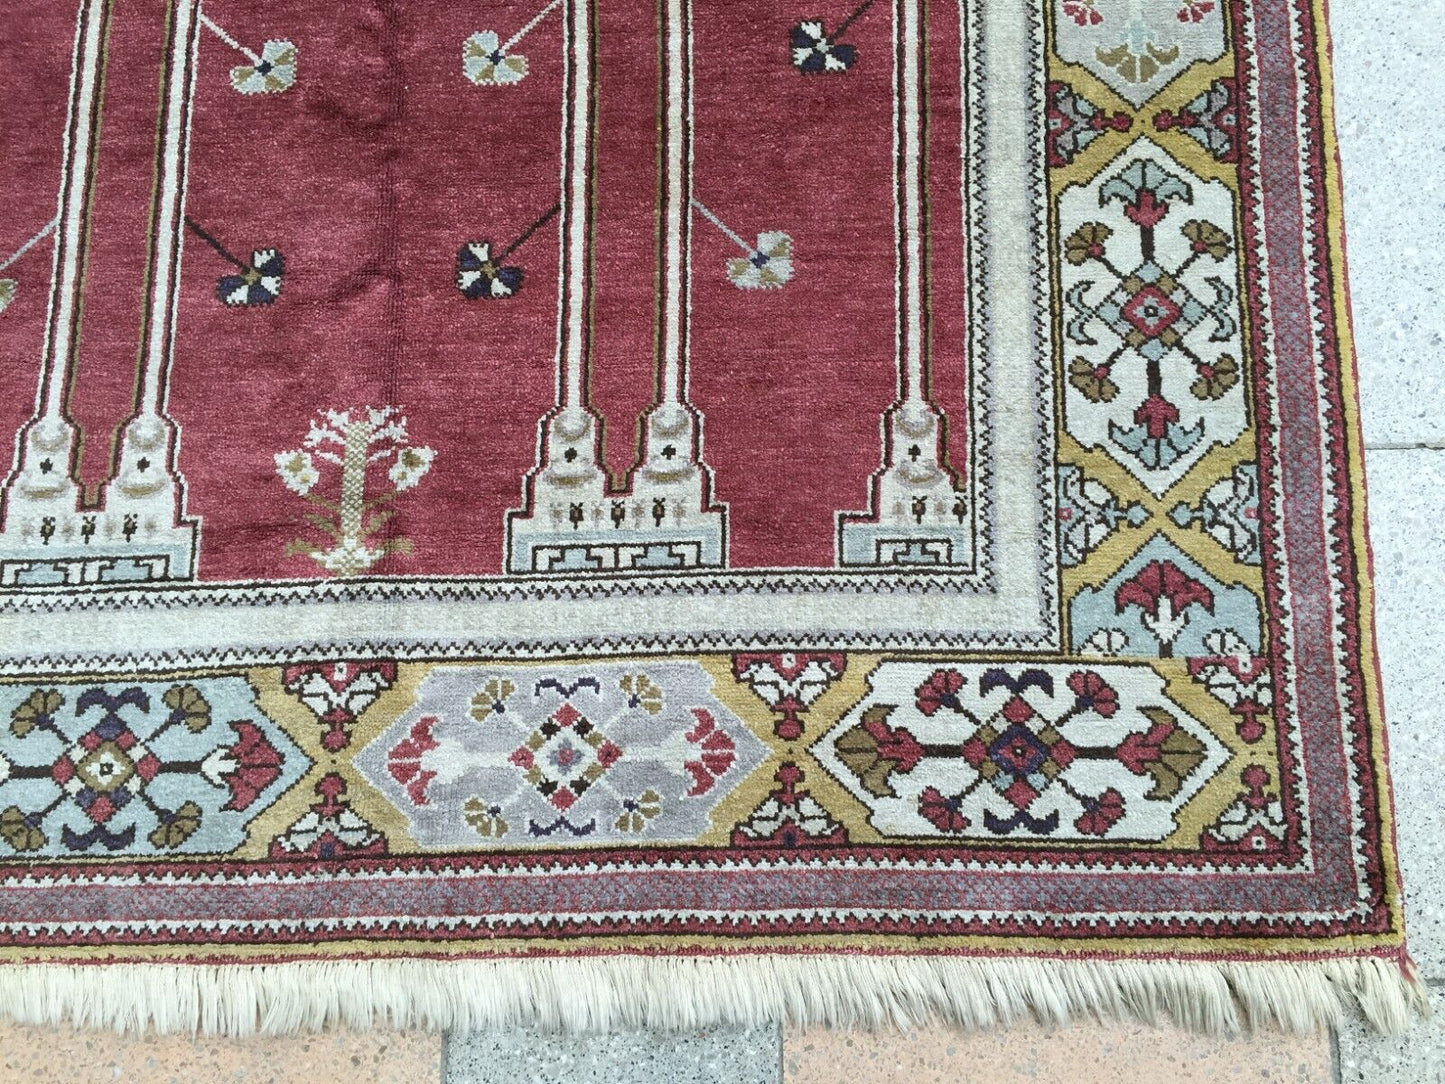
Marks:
<point>611,513</point>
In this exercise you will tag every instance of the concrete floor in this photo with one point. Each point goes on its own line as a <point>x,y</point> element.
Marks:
<point>1393,151</point>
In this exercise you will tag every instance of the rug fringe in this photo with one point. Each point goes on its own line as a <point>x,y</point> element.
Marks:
<point>675,992</point>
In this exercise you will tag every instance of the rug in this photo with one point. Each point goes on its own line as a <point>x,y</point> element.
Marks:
<point>607,513</point>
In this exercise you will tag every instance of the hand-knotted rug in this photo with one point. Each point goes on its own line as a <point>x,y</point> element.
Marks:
<point>610,512</point>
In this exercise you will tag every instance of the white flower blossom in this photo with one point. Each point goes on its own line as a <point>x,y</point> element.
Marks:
<point>410,465</point>
<point>298,470</point>
<point>272,73</point>
<point>485,62</point>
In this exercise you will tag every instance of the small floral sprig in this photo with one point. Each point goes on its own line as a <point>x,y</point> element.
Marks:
<point>254,282</point>
<point>10,287</point>
<point>359,442</point>
<point>484,274</point>
<point>271,71</point>
<point>488,61</point>
<point>1083,12</point>
<point>480,276</point>
<point>768,265</point>
<point>485,63</point>
<point>816,52</point>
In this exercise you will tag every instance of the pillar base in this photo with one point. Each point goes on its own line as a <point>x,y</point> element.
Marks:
<point>918,517</point>
<point>574,525</point>
<point>47,541</point>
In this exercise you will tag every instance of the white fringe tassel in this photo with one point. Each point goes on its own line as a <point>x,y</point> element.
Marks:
<point>613,992</point>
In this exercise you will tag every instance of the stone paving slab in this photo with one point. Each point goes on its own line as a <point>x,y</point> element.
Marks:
<point>1116,1053</point>
<point>65,1056</point>
<point>525,1056</point>
<point>1386,59</point>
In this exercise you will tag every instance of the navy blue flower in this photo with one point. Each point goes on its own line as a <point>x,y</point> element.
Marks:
<point>479,276</point>
<point>814,52</point>
<point>258,284</point>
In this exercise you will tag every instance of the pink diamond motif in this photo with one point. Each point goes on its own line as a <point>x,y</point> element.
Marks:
<point>1151,311</point>
<point>565,756</point>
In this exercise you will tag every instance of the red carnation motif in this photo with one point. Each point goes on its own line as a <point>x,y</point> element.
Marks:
<point>1159,581</point>
<point>1138,751</point>
<point>257,764</point>
<point>941,811</point>
<point>1083,12</point>
<point>1148,207</point>
<point>1101,813</point>
<point>1165,752</point>
<point>1163,592</point>
<point>1094,693</point>
<point>1256,779</point>
<point>1249,728</point>
<point>404,760</point>
<point>1156,413</point>
<point>895,744</point>
<point>718,752</point>
<point>940,691</point>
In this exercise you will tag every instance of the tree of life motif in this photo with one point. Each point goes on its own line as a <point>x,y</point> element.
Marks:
<point>353,441</point>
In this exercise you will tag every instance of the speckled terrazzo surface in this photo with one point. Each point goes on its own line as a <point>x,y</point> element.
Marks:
<point>1393,158</point>
<point>1031,1055</point>
<point>724,1056</point>
<point>1386,63</point>
<point>1418,1058</point>
<point>1394,173</point>
<point>1408,539</point>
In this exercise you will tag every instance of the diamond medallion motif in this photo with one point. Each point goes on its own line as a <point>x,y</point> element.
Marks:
<point>564,756</point>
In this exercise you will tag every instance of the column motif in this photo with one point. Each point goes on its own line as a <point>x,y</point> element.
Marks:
<point>572,522</point>
<point>916,516</point>
<point>138,529</point>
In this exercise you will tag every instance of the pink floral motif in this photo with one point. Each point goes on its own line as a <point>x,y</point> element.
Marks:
<point>1193,11</point>
<point>940,691</point>
<point>1083,12</point>
<point>895,745</point>
<point>789,683</point>
<point>789,817</point>
<point>1166,752</point>
<point>1254,823</point>
<point>255,765</point>
<point>717,752</point>
<point>330,828</point>
<point>941,811</point>
<point>1238,677</point>
<point>1094,693</point>
<point>1101,813</point>
<point>338,692</point>
<point>1163,592</point>
<point>404,762</point>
